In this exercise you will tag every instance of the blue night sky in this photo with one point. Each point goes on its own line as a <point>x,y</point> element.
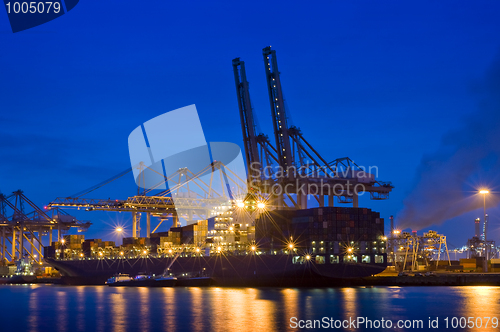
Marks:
<point>383,82</point>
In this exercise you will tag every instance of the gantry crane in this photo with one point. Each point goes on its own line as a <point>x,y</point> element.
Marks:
<point>175,202</point>
<point>18,226</point>
<point>301,166</point>
<point>259,152</point>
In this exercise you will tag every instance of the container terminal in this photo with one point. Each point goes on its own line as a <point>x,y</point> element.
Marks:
<point>257,236</point>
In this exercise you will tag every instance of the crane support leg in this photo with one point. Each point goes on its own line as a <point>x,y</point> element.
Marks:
<point>148,225</point>
<point>302,200</point>
<point>355,201</point>
<point>40,246</point>
<point>14,240</point>
<point>134,224</point>
<point>3,245</point>
<point>21,242</point>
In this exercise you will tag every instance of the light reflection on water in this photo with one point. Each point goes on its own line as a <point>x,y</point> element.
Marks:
<point>80,300</point>
<point>118,311</point>
<point>350,304</point>
<point>39,308</point>
<point>62,311</point>
<point>480,301</point>
<point>33,319</point>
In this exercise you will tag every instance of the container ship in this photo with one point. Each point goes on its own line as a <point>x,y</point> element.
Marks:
<point>324,246</point>
<point>247,242</point>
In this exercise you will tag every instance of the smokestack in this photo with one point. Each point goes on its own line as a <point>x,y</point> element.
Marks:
<point>485,227</point>
<point>477,222</point>
<point>441,191</point>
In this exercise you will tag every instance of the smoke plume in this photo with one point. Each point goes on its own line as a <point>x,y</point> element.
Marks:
<point>447,180</point>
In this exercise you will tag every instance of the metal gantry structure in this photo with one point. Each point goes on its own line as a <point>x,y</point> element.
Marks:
<point>295,164</point>
<point>23,225</point>
<point>406,249</point>
<point>190,197</point>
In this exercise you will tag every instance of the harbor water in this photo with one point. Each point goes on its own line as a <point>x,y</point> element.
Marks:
<point>39,308</point>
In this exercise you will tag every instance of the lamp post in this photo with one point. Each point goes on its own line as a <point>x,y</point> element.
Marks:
<point>484,192</point>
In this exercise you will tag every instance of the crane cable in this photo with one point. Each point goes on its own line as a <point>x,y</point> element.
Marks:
<point>99,185</point>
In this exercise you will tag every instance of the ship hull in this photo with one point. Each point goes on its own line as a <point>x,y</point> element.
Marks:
<point>249,270</point>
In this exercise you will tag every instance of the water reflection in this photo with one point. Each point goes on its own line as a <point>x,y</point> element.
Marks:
<point>80,308</point>
<point>169,305</point>
<point>62,311</point>
<point>350,307</point>
<point>118,311</point>
<point>144,303</point>
<point>479,301</point>
<point>241,308</point>
<point>57,308</point>
<point>197,321</point>
<point>33,319</point>
<point>260,313</point>
<point>100,304</point>
<point>290,303</point>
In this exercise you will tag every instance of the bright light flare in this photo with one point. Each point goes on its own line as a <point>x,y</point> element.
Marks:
<point>308,257</point>
<point>253,248</point>
<point>484,191</point>
<point>261,205</point>
<point>290,246</point>
<point>240,204</point>
<point>119,229</point>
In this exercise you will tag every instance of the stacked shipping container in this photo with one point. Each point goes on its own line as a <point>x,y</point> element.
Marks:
<point>319,225</point>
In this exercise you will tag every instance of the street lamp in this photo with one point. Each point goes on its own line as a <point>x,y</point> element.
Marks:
<point>485,192</point>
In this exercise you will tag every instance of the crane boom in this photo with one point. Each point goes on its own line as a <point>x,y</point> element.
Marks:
<point>278,111</point>
<point>247,120</point>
